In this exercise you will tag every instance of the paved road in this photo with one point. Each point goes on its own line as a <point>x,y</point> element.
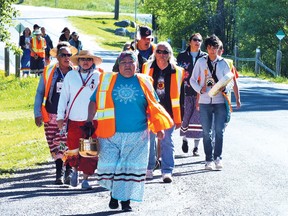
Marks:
<point>252,183</point>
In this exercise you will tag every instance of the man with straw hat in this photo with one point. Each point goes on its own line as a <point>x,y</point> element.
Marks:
<point>77,88</point>
<point>46,102</point>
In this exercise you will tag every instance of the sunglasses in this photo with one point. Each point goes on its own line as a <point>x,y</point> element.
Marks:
<point>165,52</point>
<point>62,55</point>
<point>196,39</point>
<point>85,59</point>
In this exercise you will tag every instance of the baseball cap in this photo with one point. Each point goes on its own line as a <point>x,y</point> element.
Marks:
<point>37,32</point>
<point>74,34</point>
<point>145,31</point>
<point>36,26</point>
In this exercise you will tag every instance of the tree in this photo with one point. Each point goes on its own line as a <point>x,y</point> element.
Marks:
<point>7,12</point>
<point>116,12</point>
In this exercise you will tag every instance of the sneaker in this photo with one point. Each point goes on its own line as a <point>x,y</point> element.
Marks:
<point>195,152</point>
<point>185,146</point>
<point>74,179</point>
<point>149,174</point>
<point>85,185</point>
<point>167,177</point>
<point>58,181</point>
<point>126,206</point>
<point>209,165</point>
<point>218,163</point>
<point>113,204</point>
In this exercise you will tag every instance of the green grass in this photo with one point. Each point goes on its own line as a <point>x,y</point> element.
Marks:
<point>265,76</point>
<point>22,145</point>
<point>102,29</point>
<point>126,6</point>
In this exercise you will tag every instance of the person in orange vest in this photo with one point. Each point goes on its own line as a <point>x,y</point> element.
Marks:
<point>37,55</point>
<point>78,86</point>
<point>46,102</point>
<point>168,79</point>
<point>126,106</point>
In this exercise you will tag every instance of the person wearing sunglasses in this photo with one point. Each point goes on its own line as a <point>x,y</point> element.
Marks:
<point>46,102</point>
<point>207,71</point>
<point>191,126</point>
<point>168,77</point>
<point>78,86</point>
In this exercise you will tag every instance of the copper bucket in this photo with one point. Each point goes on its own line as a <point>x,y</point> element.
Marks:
<point>89,147</point>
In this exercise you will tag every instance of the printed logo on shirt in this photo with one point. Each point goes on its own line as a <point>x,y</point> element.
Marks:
<point>126,93</point>
<point>161,87</point>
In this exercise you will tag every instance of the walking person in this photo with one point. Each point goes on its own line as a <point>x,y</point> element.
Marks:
<point>49,45</point>
<point>77,88</point>
<point>209,70</point>
<point>24,43</point>
<point>65,35</point>
<point>191,126</point>
<point>75,41</point>
<point>124,103</point>
<point>45,106</point>
<point>167,83</point>
<point>37,54</point>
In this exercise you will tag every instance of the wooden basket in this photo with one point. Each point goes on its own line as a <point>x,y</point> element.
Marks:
<point>89,147</point>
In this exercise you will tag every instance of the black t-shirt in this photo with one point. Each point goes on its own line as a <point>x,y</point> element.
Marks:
<point>162,80</point>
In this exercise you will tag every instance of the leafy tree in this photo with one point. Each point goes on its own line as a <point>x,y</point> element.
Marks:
<point>7,12</point>
<point>258,22</point>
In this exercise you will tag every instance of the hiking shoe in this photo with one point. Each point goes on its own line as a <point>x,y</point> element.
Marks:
<point>167,177</point>
<point>185,146</point>
<point>126,206</point>
<point>85,185</point>
<point>113,204</point>
<point>149,174</point>
<point>58,181</point>
<point>195,152</point>
<point>209,165</point>
<point>218,163</point>
<point>74,179</point>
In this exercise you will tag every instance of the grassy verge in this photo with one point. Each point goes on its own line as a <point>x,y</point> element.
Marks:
<point>264,76</point>
<point>126,6</point>
<point>102,29</point>
<point>23,145</point>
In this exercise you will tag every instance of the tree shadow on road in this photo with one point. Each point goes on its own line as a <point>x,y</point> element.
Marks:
<point>39,182</point>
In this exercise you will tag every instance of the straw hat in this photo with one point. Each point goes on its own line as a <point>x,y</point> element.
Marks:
<point>86,54</point>
<point>53,52</point>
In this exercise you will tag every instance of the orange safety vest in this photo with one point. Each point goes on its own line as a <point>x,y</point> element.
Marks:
<point>48,74</point>
<point>38,47</point>
<point>158,118</point>
<point>175,89</point>
<point>232,67</point>
<point>47,77</point>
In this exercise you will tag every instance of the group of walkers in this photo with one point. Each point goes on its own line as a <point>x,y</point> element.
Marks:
<point>36,46</point>
<point>133,111</point>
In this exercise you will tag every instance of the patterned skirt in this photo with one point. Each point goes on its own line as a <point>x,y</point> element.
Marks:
<point>191,126</point>
<point>122,165</point>
<point>55,140</point>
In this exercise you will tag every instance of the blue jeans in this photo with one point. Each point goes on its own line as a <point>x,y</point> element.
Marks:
<point>206,118</point>
<point>167,152</point>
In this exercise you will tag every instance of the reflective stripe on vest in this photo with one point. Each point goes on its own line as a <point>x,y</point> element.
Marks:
<point>47,78</point>
<point>103,113</point>
<point>38,49</point>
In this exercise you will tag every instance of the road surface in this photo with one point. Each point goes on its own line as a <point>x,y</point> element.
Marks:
<point>252,183</point>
